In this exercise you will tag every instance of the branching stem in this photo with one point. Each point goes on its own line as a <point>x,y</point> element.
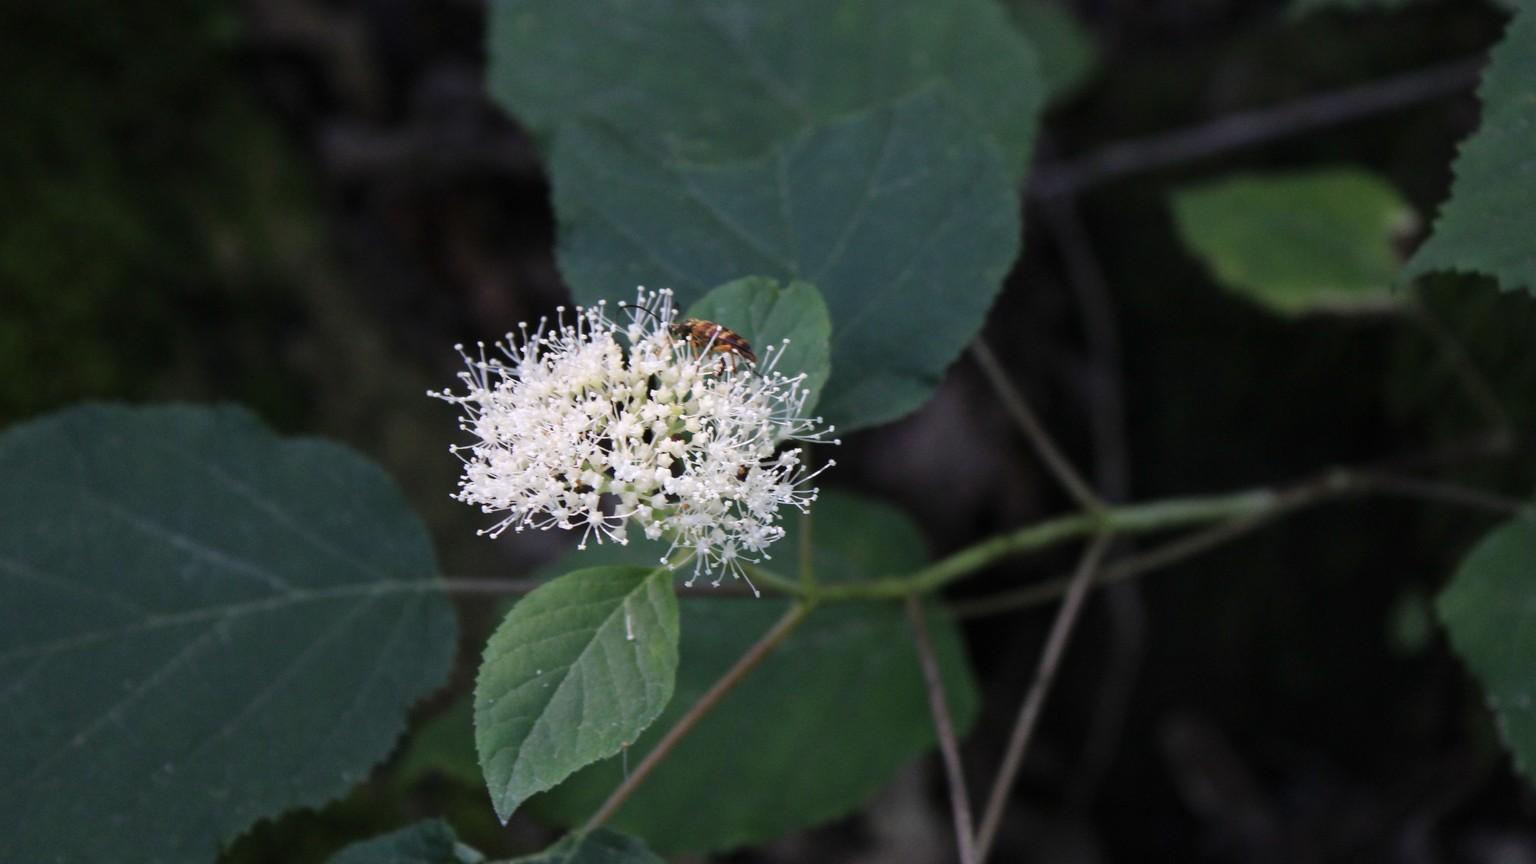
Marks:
<point>1152,517</point>
<point>1034,700</point>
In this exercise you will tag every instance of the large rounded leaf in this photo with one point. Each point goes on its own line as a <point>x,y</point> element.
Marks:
<point>201,625</point>
<point>903,217</point>
<point>1067,51</point>
<point>812,733</point>
<point>577,670</point>
<point>730,78</point>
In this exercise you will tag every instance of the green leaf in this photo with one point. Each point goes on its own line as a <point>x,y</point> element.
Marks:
<point>201,625</point>
<point>853,538</point>
<point>1489,610</point>
<point>1488,225</point>
<point>575,672</point>
<point>812,733</point>
<point>1067,51</point>
<point>765,314</point>
<point>904,221</point>
<point>731,78</point>
<point>431,842</point>
<point>597,847</point>
<point>445,744</point>
<point>1298,242</point>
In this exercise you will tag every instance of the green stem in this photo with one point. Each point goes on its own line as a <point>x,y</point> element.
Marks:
<point>766,578</point>
<point>1239,510</point>
<point>1130,519</point>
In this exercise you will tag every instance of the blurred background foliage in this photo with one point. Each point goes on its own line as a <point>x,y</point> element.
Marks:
<point>300,205</point>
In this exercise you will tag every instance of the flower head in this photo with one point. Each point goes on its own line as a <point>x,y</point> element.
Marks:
<point>596,425</point>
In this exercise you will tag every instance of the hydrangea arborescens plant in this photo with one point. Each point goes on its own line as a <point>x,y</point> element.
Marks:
<point>595,424</point>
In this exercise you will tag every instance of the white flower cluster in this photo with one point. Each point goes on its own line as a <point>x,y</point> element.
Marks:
<point>595,425</point>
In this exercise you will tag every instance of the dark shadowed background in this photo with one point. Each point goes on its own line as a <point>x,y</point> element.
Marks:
<point>301,205</point>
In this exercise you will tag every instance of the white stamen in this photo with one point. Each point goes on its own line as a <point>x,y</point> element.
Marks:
<point>594,425</point>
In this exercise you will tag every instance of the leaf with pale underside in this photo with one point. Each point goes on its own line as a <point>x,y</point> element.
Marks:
<point>576,671</point>
<point>202,624</point>
<point>1299,241</point>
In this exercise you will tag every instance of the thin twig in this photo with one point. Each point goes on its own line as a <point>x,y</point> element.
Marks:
<point>1188,546</point>
<point>1473,383</point>
<point>1101,329</point>
<point>1249,128</point>
<point>1104,396</point>
<point>1034,700</point>
<point>1478,445</point>
<point>944,727</point>
<point>685,724</point>
<point>1018,408</point>
<point>1444,493</point>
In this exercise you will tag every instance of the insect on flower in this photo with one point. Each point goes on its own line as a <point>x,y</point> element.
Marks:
<point>707,337</point>
<point>601,427</point>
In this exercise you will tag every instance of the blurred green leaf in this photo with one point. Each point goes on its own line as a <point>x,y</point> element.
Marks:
<point>431,842</point>
<point>905,223</point>
<point>1410,623</point>
<point>733,78</point>
<point>201,625</point>
<point>765,313</point>
<point>1298,242</point>
<point>1067,51</point>
<point>597,847</point>
<point>1489,226</point>
<point>1489,611</point>
<point>444,744</point>
<point>577,669</point>
<point>812,733</point>
<point>143,184</point>
<point>842,528</point>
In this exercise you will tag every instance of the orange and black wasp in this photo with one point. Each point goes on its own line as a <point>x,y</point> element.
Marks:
<point>707,336</point>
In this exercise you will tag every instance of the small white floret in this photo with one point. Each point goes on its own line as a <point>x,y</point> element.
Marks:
<point>591,425</point>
